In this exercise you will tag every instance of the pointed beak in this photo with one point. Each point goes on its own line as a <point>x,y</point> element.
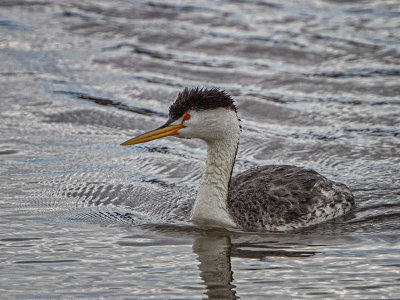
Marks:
<point>154,134</point>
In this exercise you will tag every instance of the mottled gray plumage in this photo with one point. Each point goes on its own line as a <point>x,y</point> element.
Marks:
<point>285,197</point>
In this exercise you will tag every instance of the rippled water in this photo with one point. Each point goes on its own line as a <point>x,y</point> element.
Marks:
<point>317,84</point>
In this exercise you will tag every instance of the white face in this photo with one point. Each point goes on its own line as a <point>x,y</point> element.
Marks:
<point>209,125</point>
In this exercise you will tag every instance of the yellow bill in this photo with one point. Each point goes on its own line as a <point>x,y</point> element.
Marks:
<point>154,134</point>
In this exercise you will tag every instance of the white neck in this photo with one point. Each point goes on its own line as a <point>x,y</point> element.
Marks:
<point>210,207</point>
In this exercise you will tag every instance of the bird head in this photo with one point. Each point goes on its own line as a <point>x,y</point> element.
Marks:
<point>207,114</point>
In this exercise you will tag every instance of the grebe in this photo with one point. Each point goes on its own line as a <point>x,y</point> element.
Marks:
<point>272,198</point>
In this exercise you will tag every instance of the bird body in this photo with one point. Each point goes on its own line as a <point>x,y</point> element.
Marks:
<point>282,198</point>
<point>273,198</point>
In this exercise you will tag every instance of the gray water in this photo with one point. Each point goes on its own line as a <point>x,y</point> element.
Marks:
<point>317,84</point>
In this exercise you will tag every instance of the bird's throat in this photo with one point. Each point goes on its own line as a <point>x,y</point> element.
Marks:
<point>210,207</point>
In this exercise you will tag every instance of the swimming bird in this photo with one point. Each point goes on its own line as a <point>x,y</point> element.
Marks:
<point>271,197</point>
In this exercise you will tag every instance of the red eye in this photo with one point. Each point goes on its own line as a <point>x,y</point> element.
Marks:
<point>186,117</point>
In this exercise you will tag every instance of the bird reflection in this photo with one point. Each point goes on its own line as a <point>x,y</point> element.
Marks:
<point>215,249</point>
<point>214,255</point>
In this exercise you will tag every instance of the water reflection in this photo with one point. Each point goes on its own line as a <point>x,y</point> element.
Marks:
<point>214,255</point>
<point>215,250</point>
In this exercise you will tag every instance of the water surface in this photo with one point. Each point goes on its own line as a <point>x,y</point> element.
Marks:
<point>317,84</point>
